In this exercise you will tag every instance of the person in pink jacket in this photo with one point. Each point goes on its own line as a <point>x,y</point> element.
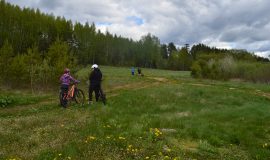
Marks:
<point>65,80</point>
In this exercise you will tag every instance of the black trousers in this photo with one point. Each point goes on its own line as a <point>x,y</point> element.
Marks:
<point>96,88</point>
<point>64,92</point>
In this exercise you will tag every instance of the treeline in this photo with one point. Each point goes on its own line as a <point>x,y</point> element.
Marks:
<point>36,47</point>
<point>221,64</point>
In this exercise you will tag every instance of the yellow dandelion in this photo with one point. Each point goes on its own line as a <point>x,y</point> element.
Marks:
<point>92,137</point>
<point>122,138</point>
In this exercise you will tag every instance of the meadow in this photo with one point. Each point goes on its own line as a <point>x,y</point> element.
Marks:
<point>163,115</point>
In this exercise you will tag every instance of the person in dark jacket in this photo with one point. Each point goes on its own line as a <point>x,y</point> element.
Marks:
<point>95,83</point>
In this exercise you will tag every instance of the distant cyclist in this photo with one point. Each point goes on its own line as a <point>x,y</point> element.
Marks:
<point>65,80</point>
<point>95,82</point>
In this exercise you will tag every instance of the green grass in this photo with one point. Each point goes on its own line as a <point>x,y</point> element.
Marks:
<point>163,115</point>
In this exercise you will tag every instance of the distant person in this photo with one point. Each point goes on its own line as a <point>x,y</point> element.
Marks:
<point>95,82</point>
<point>139,71</point>
<point>65,80</point>
<point>132,71</point>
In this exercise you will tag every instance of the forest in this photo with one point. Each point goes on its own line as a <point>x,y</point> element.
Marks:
<point>35,48</point>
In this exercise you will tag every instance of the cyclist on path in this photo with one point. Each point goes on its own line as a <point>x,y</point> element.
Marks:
<point>65,80</point>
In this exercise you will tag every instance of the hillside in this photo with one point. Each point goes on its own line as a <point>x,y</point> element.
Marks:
<point>163,115</point>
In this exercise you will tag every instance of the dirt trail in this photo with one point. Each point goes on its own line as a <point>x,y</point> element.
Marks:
<point>20,108</point>
<point>137,86</point>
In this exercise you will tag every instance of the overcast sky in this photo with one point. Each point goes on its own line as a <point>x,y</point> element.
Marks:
<point>239,24</point>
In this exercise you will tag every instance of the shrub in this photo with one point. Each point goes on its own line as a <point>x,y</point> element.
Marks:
<point>196,70</point>
<point>5,101</point>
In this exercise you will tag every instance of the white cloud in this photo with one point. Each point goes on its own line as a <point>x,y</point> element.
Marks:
<point>225,23</point>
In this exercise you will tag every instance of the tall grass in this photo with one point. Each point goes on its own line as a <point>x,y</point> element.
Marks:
<point>171,116</point>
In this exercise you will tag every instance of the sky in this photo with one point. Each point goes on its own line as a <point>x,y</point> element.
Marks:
<point>231,24</point>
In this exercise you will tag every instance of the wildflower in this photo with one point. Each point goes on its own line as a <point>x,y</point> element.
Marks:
<point>122,138</point>
<point>147,157</point>
<point>91,138</point>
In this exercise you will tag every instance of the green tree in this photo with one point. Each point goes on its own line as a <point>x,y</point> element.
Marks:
<point>6,54</point>
<point>58,59</point>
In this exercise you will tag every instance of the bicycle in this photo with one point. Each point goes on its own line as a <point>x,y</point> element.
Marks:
<point>73,94</point>
<point>102,96</point>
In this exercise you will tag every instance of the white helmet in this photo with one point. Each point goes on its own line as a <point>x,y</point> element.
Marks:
<point>94,66</point>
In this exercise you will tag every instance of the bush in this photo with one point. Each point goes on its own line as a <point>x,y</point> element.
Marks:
<point>196,70</point>
<point>5,101</point>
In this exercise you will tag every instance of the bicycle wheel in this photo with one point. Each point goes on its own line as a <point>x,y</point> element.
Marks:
<point>61,98</point>
<point>102,96</point>
<point>79,97</point>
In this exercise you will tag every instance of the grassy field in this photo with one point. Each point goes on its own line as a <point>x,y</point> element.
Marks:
<point>163,115</point>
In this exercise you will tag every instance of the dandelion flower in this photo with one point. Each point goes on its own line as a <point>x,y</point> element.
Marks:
<point>122,138</point>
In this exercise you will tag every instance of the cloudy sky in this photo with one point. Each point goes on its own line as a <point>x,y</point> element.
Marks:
<point>239,24</point>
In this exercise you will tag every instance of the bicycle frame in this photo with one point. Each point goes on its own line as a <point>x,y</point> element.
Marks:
<point>71,91</point>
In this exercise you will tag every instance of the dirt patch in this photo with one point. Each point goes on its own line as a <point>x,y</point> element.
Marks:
<point>200,84</point>
<point>21,108</point>
<point>267,95</point>
<point>183,114</point>
<point>168,130</point>
<point>189,146</point>
<point>160,79</point>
